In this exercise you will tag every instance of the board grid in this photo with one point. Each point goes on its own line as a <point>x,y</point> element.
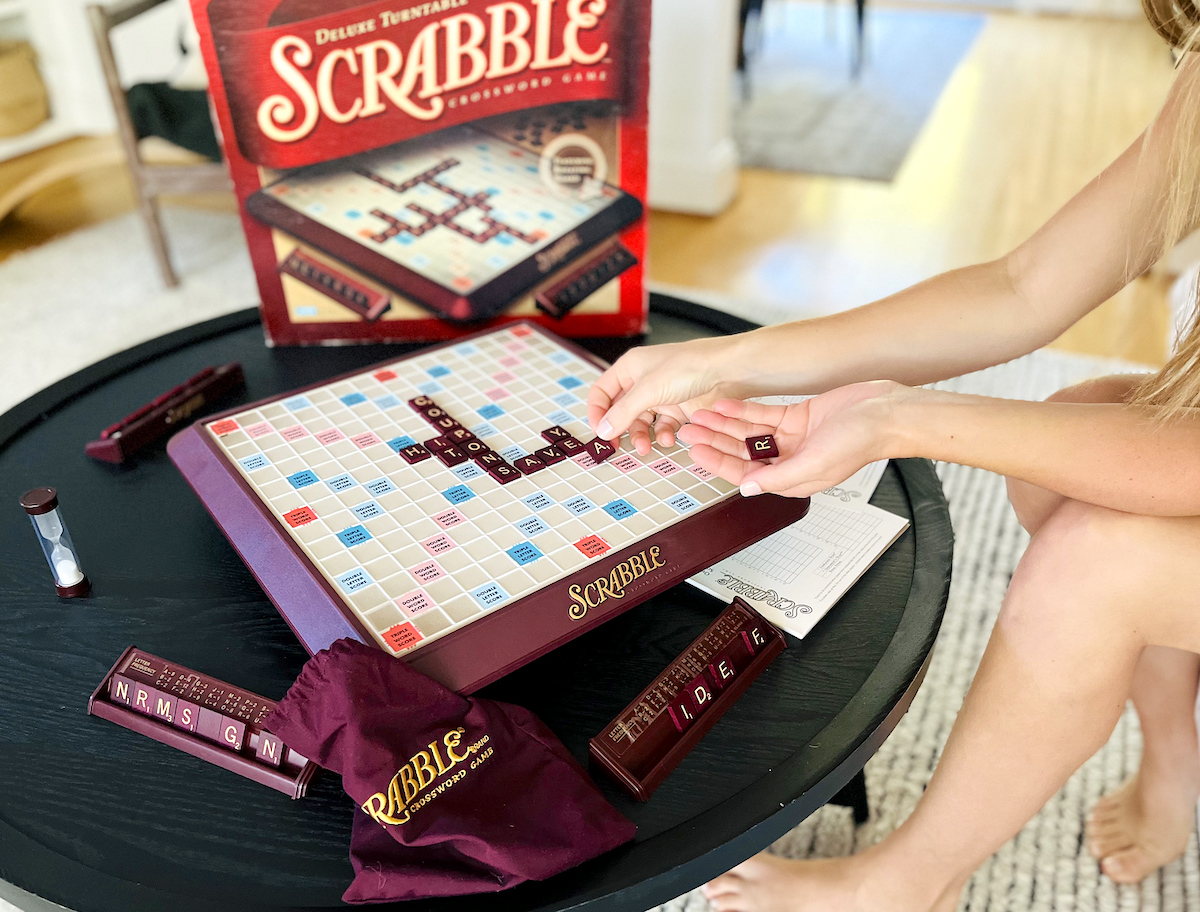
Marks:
<point>418,550</point>
<point>459,207</point>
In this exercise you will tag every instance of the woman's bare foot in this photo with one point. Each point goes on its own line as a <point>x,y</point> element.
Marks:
<point>1144,824</point>
<point>768,883</point>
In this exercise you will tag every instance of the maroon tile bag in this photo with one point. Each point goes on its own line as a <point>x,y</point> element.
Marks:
<point>456,795</point>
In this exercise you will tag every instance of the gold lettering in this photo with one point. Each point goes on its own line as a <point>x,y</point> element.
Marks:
<point>452,740</point>
<point>595,586</point>
<point>409,782</point>
<point>277,110</point>
<point>541,39</point>
<point>140,699</point>
<point>325,86</point>
<point>162,707</point>
<point>425,771</point>
<point>433,749</point>
<point>121,689</point>
<point>654,562</point>
<point>627,576</point>
<point>577,20</point>
<point>456,49</point>
<point>602,588</point>
<point>579,609</point>
<point>375,78</point>
<point>502,39</point>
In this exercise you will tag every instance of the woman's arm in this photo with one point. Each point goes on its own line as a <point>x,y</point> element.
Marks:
<point>1112,455</point>
<point>954,323</point>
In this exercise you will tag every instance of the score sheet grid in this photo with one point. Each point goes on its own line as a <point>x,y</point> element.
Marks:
<point>418,550</point>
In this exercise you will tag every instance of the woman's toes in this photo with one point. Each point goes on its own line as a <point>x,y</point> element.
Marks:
<point>1128,866</point>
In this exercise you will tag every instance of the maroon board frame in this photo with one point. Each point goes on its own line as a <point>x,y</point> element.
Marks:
<point>503,640</point>
<point>484,302</point>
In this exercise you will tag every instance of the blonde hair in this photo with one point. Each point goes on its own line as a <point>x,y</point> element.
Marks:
<point>1177,385</point>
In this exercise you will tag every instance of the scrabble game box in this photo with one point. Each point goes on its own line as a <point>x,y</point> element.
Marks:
<point>414,171</point>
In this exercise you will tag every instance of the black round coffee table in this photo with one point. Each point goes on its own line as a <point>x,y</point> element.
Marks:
<point>95,817</point>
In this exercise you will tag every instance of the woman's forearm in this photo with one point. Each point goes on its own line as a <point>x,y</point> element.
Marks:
<point>1113,455</point>
<point>952,324</point>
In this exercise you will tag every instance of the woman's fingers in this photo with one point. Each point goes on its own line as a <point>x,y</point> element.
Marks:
<point>699,435</point>
<point>751,412</point>
<point>793,477</point>
<point>731,468</point>
<point>731,427</point>
<point>640,433</point>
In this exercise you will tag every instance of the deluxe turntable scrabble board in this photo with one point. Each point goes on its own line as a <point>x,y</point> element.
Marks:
<point>446,507</point>
<point>461,222</point>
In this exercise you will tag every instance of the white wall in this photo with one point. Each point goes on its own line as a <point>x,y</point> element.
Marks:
<point>693,161</point>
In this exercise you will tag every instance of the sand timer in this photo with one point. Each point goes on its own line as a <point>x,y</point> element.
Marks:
<point>42,506</point>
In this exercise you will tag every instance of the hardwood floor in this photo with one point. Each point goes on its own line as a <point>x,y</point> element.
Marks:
<point>1038,106</point>
<point>1036,109</point>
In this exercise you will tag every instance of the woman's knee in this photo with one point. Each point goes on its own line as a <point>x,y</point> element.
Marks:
<point>1034,505</point>
<point>1094,572</point>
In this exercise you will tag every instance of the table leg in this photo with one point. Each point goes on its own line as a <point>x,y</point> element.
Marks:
<point>854,796</point>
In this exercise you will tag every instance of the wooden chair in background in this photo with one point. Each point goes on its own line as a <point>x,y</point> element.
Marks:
<point>150,180</point>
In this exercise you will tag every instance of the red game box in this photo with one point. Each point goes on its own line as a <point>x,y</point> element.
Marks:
<point>413,171</point>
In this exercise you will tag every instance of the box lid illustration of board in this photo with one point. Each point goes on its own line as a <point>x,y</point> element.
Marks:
<point>411,172</point>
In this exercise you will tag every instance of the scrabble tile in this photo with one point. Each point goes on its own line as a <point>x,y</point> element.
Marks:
<point>446,423</point>
<point>421,403</point>
<point>489,458</point>
<point>452,456</point>
<point>527,465</point>
<point>570,446</point>
<point>459,435</point>
<point>763,447</point>
<point>550,455</point>
<point>681,712</point>
<point>722,670</point>
<point>555,434</point>
<point>504,473</point>
<point>475,448</point>
<point>436,444</point>
<point>433,413</point>
<point>142,698</point>
<point>270,749</point>
<point>120,689</point>
<point>232,733</point>
<point>599,449</point>
<point>414,454</point>
<point>186,715</point>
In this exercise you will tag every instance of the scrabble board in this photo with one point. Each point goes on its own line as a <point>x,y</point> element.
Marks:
<point>461,221</point>
<point>446,506</point>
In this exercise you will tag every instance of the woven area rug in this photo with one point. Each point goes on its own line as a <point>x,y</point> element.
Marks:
<point>97,291</point>
<point>1046,867</point>
<point>803,111</point>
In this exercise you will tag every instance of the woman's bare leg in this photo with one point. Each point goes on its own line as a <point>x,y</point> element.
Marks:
<point>1146,823</point>
<point>1093,589</point>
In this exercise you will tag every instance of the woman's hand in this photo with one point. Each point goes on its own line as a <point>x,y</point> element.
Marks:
<point>655,389</point>
<point>822,441</point>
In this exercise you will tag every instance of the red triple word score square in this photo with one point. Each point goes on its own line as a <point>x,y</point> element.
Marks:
<point>592,546</point>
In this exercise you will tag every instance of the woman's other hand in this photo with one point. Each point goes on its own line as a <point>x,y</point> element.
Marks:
<point>822,441</point>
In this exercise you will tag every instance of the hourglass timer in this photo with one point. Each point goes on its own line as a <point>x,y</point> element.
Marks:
<point>42,506</point>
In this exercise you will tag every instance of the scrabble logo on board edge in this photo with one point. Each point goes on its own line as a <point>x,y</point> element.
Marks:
<point>614,583</point>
